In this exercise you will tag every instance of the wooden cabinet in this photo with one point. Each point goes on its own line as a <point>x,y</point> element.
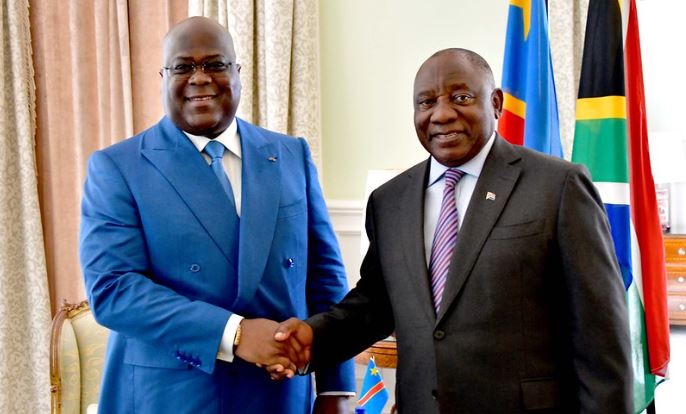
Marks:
<point>675,249</point>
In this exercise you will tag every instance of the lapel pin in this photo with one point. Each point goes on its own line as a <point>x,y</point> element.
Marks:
<point>490,196</point>
<point>272,158</point>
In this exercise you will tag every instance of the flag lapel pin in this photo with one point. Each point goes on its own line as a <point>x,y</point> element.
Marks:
<point>272,158</point>
<point>490,196</point>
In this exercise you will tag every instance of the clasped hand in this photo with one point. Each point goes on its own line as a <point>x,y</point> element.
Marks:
<point>282,349</point>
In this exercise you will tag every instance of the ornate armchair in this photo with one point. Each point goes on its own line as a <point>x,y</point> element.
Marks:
<point>77,350</point>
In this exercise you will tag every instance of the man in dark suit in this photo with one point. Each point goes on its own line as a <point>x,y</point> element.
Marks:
<point>492,263</point>
<point>185,266</point>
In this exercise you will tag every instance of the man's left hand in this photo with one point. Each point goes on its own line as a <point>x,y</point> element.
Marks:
<point>332,404</point>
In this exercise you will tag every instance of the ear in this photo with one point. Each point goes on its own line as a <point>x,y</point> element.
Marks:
<point>497,102</point>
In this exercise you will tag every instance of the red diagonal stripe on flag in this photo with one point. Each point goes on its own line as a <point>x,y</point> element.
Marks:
<point>371,393</point>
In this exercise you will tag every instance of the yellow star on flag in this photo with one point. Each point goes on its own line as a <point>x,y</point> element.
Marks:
<point>374,371</point>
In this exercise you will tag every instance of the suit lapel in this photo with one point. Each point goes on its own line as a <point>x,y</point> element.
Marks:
<point>175,157</point>
<point>261,189</point>
<point>411,227</point>
<point>498,176</point>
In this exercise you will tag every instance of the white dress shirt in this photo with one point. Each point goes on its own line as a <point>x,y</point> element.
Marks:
<point>433,197</point>
<point>233,164</point>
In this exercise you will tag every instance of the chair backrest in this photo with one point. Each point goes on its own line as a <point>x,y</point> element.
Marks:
<point>77,352</point>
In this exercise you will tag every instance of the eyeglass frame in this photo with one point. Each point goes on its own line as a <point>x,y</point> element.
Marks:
<point>203,66</point>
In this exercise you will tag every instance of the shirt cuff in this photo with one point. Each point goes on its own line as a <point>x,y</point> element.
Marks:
<point>305,370</point>
<point>225,352</point>
<point>338,393</point>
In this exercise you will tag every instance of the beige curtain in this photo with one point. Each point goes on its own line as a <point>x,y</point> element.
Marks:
<point>567,21</point>
<point>277,43</point>
<point>96,81</point>
<point>25,308</point>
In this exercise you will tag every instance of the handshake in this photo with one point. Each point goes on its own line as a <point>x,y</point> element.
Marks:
<point>282,349</point>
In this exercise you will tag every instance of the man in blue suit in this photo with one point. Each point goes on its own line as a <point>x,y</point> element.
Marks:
<point>189,269</point>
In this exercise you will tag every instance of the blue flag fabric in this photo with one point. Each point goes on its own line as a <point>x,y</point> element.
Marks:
<point>530,116</point>
<point>373,394</point>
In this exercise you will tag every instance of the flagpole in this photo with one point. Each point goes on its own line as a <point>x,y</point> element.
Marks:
<point>650,409</point>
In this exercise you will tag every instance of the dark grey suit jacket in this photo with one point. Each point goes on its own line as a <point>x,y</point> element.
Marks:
<point>533,314</point>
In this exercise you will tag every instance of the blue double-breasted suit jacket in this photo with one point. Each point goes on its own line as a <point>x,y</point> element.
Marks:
<point>166,263</point>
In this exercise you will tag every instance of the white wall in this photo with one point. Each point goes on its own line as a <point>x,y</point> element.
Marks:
<point>661,23</point>
<point>664,62</point>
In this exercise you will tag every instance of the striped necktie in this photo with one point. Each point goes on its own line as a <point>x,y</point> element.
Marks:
<point>444,237</point>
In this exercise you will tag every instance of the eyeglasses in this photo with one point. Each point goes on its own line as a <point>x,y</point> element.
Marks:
<point>212,68</point>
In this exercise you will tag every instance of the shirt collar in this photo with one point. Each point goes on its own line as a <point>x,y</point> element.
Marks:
<point>229,138</point>
<point>472,167</point>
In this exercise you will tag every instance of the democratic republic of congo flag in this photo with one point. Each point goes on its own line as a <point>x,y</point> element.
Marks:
<point>616,153</point>
<point>530,109</point>
<point>373,394</point>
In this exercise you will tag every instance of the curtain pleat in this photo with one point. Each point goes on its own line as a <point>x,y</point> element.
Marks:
<point>25,307</point>
<point>97,83</point>
<point>567,29</point>
<point>81,80</point>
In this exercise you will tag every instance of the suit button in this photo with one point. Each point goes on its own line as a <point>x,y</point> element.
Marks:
<point>434,394</point>
<point>195,268</point>
<point>439,335</point>
<point>289,262</point>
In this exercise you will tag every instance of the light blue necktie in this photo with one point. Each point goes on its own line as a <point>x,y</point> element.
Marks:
<point>215,150</point>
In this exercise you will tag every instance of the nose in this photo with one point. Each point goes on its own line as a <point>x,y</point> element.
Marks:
<point>443,112</point>
<point>199,77</point>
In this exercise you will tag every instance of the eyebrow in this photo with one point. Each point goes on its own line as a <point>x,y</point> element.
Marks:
<point>218,55</point>
<point>425,94</point>
<point>451,87</point>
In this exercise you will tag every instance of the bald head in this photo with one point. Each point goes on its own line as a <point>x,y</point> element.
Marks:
<point>196,26</point>
<point>201,86</point>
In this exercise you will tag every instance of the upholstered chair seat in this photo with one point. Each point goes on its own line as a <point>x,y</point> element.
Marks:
<point>77,351</point>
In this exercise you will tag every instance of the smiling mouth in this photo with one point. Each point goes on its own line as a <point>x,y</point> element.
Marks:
<point>446,136</point>
<point>200,98</point>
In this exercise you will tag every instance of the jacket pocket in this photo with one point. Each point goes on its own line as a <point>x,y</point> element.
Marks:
<point>292,209</point>
<point>513,231</point>
<point>144,355</point>
<point>540,393</point>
